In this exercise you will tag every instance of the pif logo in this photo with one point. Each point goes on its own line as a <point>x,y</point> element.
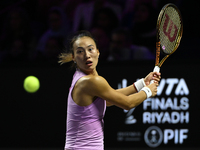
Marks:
<point>168,32</point>
<point>154,136</point>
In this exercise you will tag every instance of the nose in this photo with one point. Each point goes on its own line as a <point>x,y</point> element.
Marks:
<point>87,54</point>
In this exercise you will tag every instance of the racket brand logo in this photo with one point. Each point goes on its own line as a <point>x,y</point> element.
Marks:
<point>169,31</point>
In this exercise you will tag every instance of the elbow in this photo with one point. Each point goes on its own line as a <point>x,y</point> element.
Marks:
<point>129,107</point>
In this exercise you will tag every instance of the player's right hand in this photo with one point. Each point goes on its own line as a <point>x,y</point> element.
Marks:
<point>153,88</point>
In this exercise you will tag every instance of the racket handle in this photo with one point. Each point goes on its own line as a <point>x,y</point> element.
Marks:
<point>156,69</point>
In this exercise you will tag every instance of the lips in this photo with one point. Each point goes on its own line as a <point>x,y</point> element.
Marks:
<point>89,63</point>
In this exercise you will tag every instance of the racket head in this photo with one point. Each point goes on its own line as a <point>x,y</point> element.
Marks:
<point>169,31</point>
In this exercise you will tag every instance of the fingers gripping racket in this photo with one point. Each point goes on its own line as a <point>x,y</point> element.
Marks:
<point>169,30</point>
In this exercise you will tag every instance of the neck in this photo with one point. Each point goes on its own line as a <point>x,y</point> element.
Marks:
<point>92,72</point>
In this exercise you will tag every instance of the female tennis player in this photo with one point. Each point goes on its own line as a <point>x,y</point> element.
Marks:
<point>90,93</point>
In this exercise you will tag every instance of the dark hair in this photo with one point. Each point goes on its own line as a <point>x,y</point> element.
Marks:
<point>69,52</point>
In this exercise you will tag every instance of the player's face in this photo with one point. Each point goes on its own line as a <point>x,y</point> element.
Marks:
<point>86,54</point>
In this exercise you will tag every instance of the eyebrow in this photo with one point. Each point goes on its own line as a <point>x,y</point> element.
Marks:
<point>90,45</point>
<point>82,47</point>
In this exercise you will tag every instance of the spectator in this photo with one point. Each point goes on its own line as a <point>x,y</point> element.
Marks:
<point>141,53</point>
<point>69,6</point>
<point>83,16</point>
<point>122,49</point>
<point>119,48</point>
<point>106,19</point>
<point>143,25</point>
<point>58,27</point>
<point>43,7</point>
<point>102,40</point>
<point>53,46</point>
<point>17,38</point>
<point>129,5</point>
<point>17,51</point>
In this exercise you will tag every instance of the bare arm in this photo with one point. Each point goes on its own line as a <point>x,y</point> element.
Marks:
<point>127,90</point>
<point>132,89</point>
<point>98,86</point>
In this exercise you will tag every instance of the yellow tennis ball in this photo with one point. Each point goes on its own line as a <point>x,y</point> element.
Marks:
<point>31,84</point>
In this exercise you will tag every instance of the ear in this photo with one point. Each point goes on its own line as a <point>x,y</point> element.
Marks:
<point>98,52</point>
<point>73,57</point>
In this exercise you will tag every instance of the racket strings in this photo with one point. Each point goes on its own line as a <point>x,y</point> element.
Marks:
<point>169,31</point>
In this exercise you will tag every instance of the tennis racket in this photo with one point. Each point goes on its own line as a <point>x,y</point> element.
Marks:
<point>169,30</point>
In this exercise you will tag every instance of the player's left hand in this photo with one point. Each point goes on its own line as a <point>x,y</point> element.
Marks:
<point>156,76</point>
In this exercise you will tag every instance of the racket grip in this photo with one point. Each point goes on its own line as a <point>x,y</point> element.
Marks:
<point>156,69</point>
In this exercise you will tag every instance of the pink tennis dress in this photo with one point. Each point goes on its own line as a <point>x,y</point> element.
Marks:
<point>84,123</point>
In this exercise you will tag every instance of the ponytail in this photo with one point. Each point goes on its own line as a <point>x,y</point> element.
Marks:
<point>65,58</point>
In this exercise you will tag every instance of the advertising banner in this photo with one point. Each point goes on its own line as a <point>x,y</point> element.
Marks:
<point>170,119</point>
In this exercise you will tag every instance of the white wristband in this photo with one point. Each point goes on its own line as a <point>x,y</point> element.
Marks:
<point>139,84</point>
<point>147,91</point>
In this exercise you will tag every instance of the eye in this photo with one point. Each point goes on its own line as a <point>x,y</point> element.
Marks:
<point>79,51</point>
<point>91,48</point>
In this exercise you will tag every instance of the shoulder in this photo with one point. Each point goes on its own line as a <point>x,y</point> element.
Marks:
<point>92,84</point>
<point>91,80</point>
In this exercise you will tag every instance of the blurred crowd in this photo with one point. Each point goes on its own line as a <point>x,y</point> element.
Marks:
<point>38,30</point>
